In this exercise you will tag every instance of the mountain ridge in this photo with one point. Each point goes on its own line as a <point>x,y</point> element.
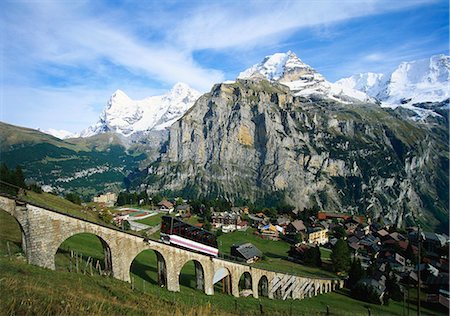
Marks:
<point>126,116</point>
<point>409,84</point>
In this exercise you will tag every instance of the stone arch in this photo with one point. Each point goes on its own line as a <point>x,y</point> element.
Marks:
<point>88,237</point>
<point>197,273</point>
<point>150,266</point>
<point>245,284</point>
<point>263,286</point>
<point>10,223</point>
<point>223,276</point>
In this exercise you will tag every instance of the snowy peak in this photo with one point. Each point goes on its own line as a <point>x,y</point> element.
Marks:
<point>126,116</point>
<point>302,79</point>
<point>424,80</point>
<point>277,67</point>
<point>370,83</point>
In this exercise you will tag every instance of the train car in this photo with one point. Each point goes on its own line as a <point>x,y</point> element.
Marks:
<point>177,232</point>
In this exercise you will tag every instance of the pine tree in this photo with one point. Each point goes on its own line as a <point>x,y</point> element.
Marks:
<point>340,256</point>
<point>19,178</point>
<point>356,273</point>
<point>317,256</point>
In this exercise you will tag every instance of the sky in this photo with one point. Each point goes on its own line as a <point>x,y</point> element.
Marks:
<point>62,60</point>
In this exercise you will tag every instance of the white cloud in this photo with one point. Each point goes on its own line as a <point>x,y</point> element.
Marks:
<point>57,35</point>
<point>262,22</point>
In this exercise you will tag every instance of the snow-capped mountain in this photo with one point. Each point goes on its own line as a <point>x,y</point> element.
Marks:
<point>419,81</point>
<point>60,133</point>
<point>302,79</point>
<point>126,116</point>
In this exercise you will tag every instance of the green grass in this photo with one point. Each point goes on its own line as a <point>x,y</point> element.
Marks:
<point>325,254</point>
<point>152,220</point>
<point>60,204</point>
<point>84,245</point>
<point>30,290</point>
<point>10,234</point>
<point>275,254</point>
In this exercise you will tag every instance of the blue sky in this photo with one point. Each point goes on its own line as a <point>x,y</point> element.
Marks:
<point>61,60</point>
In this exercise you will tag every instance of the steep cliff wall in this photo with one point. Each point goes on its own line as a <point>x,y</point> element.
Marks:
<point>246,140</point>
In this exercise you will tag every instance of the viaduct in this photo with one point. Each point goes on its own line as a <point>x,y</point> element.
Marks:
<point>44,230</point>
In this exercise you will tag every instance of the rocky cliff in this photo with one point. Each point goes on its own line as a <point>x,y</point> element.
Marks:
<point>253,139</point>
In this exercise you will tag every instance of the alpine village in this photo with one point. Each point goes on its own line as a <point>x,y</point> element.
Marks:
<point>278,192</point>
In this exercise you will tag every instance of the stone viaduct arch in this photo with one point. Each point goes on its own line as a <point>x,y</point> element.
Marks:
<point>43,231</point>
<point>161,266</point>
<point>263,286</point>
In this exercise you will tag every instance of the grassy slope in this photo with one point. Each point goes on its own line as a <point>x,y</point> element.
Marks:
<point>26,289</point>
<point>60,204</point>
<point>14,135</point>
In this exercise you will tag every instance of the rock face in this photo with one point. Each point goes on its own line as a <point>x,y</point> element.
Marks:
<point>255,139</point>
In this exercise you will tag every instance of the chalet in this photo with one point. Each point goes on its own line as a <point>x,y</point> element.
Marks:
<point>283,221</point>
<point>246,251</point>
<point>269,232</point>
<point>382,233</point>
<point>228,221</point>
<point>350,227</point>
<point>256,221</point>
<point>166,206</point>
<point>183,210</point>
<point>296,227</point>
<point>318,236</point>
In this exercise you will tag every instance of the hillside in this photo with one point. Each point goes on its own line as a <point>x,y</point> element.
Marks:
<point>85,166</point>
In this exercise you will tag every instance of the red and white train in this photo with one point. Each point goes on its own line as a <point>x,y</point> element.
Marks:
<point>177,232</point>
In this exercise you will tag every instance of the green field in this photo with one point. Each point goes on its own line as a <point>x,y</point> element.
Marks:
<point>152,220</point>
<point>29,290</point>
<point>275,253</point>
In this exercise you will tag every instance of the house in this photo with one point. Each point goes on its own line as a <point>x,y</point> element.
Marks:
<point>297,253</point>
<point>269,232</point>
<point>108,199</point>
<point>228,221</point>
<point>326,215</point>
<point>256,221</point>
<point>166,206</point>
<point>397,236</point>
<point>183,210</point>
<point>382,233</point>
<point>283,221</point>
<point>296,227</point>
<point>246,251</point>
<point>350,227</point>
<point>317,236</point>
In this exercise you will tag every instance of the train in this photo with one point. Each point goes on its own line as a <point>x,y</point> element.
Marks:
<point>175,231</point>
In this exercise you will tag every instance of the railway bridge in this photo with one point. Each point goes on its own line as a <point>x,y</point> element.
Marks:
<point>44,230</point>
